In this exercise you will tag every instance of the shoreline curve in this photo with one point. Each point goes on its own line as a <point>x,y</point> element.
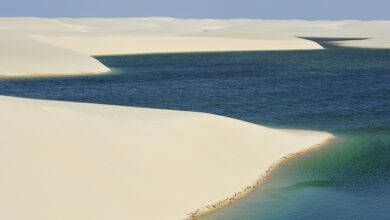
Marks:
<point>210,209</point>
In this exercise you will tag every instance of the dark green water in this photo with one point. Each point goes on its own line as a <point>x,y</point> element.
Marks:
<point>339,90</point>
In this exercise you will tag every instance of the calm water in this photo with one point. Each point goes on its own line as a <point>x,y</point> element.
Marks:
<point>342,91</point>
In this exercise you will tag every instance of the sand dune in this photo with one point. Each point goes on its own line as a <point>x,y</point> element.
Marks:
<point>41,46</point>
<point>63,160</point>
<point>377,31</point>
<point>23,56</point>
<point>37,46</point>
<point>117,45</point>
<point>165,35</point>
<point>380,42</point>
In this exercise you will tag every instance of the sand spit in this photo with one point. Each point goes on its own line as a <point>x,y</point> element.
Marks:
<point>88,161</point>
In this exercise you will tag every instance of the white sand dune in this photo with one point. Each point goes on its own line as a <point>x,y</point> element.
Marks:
<point>380,42</point>
<point>38,46</point>
<point>23,56</point>
<point>62,160</point>
<point>377,31</point>
<point>41,46</point>
<point>117,45</point>
<point>165,35</point>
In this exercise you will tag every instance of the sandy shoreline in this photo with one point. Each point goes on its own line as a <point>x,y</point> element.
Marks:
<point>88,157</point>
<point>208,210</point>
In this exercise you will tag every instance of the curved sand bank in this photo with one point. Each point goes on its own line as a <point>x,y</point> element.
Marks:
<point>207,210</point>
<point>88,161</point>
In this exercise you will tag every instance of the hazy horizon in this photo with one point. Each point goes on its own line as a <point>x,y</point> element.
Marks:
<point>201,9</point>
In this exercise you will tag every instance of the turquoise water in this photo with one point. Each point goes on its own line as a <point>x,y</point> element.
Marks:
<point>339,90</point>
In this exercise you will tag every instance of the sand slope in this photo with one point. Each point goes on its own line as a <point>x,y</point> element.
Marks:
<point>20,55</point>
<point>23,56</point>
<point>63,160</point>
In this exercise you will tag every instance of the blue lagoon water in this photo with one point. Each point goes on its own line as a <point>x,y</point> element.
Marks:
<point>339,90</point>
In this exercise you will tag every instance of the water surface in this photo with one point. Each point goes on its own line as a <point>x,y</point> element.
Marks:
<point>338,90</point>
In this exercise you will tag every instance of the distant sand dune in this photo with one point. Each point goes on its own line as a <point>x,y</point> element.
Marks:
<point>42,46</point>
<point>116,44</point>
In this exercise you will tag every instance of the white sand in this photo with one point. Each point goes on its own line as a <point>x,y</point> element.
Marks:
<point>23,56</point>
<point>20,55</point>
<point>63,160</point>
<point>37,46</point>
<point>117,45</point>
<point>41,46</point>
<point>380,42</point>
